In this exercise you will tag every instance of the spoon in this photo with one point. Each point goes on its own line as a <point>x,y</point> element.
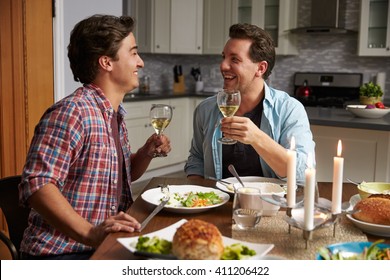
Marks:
<point>356,183</point>
<point>353,182</point>
<point>235,174</point>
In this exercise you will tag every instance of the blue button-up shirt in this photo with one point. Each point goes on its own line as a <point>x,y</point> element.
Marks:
<point>283,117</point>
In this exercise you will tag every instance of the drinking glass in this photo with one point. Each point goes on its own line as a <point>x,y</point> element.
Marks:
<point>247,207</point>
<point>228,102</point>
<point>160,117</point>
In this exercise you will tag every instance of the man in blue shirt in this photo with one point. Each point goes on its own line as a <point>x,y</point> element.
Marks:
<point>264,124</point>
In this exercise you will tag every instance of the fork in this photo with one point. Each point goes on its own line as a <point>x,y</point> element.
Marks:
<point>164,200</point>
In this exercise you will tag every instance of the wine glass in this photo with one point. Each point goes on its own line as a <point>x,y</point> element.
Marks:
<point>228,102</point>
<point>160,117</point>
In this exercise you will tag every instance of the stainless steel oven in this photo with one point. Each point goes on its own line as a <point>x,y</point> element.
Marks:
<point>321,89</point>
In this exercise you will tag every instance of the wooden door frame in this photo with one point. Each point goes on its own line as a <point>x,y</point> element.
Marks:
<point>26,76</point>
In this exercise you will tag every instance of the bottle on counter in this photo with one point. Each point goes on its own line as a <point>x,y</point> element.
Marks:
<point>145,84</point>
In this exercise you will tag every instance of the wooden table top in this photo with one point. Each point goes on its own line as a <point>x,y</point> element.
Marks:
<point>110,249</point>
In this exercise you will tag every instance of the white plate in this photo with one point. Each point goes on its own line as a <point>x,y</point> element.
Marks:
<point>168,233</point>
<point>374,229</point>
<point>154,196</point>
<point>362,112</point>
<point>234,181</point>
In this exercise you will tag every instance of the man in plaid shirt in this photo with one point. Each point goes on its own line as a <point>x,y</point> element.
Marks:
<point>80,166</point>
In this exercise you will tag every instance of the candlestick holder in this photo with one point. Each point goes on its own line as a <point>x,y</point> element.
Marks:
<point>322,218</point>
<point>346,208</point>
<point>282,202</point>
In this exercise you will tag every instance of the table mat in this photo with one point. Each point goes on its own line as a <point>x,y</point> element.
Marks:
<point>291,245</point>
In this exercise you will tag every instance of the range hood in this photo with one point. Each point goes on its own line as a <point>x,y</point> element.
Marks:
<point>327,17</point>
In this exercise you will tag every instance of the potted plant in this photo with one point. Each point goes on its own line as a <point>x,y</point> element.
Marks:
<point>370,93</point>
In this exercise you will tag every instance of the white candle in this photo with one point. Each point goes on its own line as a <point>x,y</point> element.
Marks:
<point>291,173</point>
<point>338,165</point>
<point>310,174</point>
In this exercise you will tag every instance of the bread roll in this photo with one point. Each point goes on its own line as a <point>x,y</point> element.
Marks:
<point>197,240</point>
<point>374,209</point>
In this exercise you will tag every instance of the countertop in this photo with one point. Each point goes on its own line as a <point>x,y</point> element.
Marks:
<point>342,118</point>
<point>317,115</point>
<point>134,97</point>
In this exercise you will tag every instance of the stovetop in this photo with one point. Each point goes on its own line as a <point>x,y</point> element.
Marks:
<point>328,89</point>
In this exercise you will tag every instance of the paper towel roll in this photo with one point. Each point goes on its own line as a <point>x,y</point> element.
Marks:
<point>381,80</point>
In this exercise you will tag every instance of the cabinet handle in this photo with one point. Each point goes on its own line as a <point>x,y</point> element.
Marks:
<point>388,49</point>
<point>198,48</point>
<point>173,107</point>
<point>158,46</point>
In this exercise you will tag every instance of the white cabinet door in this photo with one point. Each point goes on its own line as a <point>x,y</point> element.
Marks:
<point>161,24</point>
<point>366,153</point>
<point>286,42</point>
<point>186,26</point>
<point>274,16</point>
<point>216,22</point>
<point>139,130</point>
<point>374,35</point>
<point>178,131</point>
<point>168,26</point>
<point>152,28</point>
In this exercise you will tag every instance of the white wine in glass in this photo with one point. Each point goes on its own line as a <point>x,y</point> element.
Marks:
<point>160,117</point>
<point>228,102</point>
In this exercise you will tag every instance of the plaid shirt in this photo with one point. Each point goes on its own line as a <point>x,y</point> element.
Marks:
<point>74,149</point>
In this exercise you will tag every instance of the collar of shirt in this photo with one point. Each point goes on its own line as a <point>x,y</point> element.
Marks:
<point>102,101</point>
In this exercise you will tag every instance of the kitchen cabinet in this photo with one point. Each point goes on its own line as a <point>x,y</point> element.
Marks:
<point>374,35</point>
<point>168,26</point>
<point>274,16</point>
<point>217,18</point>
<point>366,153</point>
<point>152,28</point>
<point>139,128</point>
<point>186,26</point>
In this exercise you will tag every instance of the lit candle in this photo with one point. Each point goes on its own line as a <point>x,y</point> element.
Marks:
<point>291,173</point>
<point>310,174</point>
<point>338,164</point>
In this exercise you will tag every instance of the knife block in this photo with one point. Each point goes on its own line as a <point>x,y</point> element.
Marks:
<point>179,87</point>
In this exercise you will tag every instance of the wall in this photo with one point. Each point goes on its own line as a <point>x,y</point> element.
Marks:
<point>322,53</point>
<point>68,13</point>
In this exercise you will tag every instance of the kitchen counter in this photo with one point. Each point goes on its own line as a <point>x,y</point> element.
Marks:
<point>133,97</point>
<point>317,115</point>
<point>342,118</point>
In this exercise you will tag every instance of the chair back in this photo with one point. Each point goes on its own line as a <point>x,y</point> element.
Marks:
<point>16,216</point>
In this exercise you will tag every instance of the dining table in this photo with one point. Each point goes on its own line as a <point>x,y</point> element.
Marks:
<point>288,241</point>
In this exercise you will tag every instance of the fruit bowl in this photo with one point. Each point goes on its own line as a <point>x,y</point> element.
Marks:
<point>362,112</point>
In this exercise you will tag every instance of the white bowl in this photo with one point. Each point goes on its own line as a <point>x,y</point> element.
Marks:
<point>362,112</point>
<point>267,189</point>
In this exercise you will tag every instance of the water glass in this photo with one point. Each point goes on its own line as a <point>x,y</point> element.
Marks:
<point>247,207</point>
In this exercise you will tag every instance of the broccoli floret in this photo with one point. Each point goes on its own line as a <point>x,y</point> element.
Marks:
<point>154,245</point>
<point>237,252</point>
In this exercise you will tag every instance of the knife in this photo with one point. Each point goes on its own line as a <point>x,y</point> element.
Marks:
<point>176,74</point>
<point>180,71</point>
<point>155,211</point>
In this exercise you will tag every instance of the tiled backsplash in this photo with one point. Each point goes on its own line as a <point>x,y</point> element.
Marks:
<point>317,53</point>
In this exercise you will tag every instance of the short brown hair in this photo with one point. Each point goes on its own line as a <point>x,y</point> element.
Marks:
<point>262,48</point>
<point>92,38</point>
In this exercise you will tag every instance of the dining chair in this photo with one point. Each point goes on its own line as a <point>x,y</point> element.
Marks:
<point>16,216</point>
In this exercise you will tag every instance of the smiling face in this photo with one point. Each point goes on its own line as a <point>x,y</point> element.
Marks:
<point>125,67</point>
<point>238,70</point>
